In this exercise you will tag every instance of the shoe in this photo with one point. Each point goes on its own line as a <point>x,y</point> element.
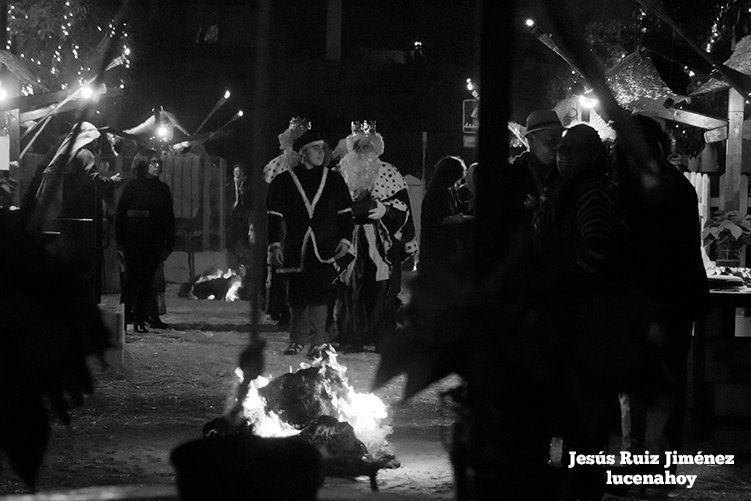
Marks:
<point>158,324</point>
<point>140,327</point>
<point>293,349</point>
<point>318,351</point>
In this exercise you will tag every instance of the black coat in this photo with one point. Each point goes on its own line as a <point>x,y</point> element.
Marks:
<point>316,212</point>
<point>145,219</point>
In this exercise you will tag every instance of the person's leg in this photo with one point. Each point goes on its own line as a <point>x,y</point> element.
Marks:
<point>298,331</point>
<point>317,322</point>
<point>144,286</point>
<point>317,325</point>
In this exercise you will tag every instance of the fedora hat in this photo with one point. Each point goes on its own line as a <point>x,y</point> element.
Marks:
<point>542,120</point>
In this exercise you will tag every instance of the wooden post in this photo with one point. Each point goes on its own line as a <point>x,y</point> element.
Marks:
<point>205,163</point>
<point>730,195</point>
<point>222,204</point>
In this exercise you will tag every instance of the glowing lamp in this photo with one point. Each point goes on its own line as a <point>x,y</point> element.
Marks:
<point>529,22</point>
<point>587,102</point>
<point>3,94</point>
<point>87,92</point>
<point>470,85</point>
<point>226,94</point>
<point>162,131</point>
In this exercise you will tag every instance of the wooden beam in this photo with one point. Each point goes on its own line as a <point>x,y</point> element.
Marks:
<point>734,150</point>
<point>721,133</point>
<point>683,116</point>
<point>73,104</point>
<point>34,101</point>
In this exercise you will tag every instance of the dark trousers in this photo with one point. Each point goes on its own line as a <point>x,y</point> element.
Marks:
<point>140,268</point>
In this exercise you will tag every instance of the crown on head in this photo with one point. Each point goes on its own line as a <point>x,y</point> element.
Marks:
<point>364,127</point>
<point>299,124</point>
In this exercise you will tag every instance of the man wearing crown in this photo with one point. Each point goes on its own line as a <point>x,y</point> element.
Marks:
<point>276,293</point>
<point>367,301</point>
<point>314,204</point>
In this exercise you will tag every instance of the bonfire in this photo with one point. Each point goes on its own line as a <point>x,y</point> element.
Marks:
<point>317,404</point>
<point>215,284</point>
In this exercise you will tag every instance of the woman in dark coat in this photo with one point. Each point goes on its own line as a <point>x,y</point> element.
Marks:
<point>145,231</point>
<point>441,219</point>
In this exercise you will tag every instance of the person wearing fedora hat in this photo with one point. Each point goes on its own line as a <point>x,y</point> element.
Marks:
<point>314,204</point>
<point>534,172</point>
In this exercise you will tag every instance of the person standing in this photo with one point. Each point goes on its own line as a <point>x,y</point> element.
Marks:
<point>276,288</point>
<point>533,174</point>
<point>145,231</point>
<point>441,217</point>
<point>368,296</point>
<point>77,208</point>
<point>670,275</point>
<point>314,204</point>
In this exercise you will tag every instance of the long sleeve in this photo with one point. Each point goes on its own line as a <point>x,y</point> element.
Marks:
<point>169,236</point>
<point>398,212</point>
<point>88,164</point>
<point>594,220</point>
<point>275,211</point>
<point>343,200</point>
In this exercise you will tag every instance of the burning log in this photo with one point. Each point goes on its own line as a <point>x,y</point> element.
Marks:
<point>215,284</point>
<point>301,397</point>
<point>317,406</point>
<point>343,454</point>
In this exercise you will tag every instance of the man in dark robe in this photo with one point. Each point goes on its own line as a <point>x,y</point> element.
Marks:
<point>314,204</point>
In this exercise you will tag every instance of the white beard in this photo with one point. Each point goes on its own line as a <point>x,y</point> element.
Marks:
<point>360,172</point>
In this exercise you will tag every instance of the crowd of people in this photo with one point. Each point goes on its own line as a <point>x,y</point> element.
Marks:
<point>622,316</point>
<point>586,208</point>
<point>340,225</point>
<point>338,234</point>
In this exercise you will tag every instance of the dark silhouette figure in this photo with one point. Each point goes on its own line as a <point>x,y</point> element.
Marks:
<point>145,231</point>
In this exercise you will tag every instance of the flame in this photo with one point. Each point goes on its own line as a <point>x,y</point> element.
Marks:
<point>235,282</point>
<point>234,287</point>
<point>364,411</point>
<point>265,424</point>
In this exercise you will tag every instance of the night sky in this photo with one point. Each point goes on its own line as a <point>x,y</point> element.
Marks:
<point>422,95</point>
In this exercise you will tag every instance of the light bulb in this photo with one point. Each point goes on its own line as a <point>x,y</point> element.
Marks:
<point>529,22</point>
<point>226,94</point>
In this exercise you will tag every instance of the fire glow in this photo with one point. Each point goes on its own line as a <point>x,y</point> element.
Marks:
<point>217,284</point>
<point>365,412</point>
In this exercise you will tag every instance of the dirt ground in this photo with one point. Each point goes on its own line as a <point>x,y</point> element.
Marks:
<point>177,380</point>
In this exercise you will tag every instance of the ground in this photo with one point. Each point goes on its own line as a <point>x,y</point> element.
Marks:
<point>175,381</point>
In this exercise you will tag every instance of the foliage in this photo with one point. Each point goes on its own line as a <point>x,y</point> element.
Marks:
<point>728,229</point>
<point>58,40</point>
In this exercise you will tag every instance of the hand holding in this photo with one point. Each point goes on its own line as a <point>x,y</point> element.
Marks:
<point>116,178</point>
<point>378,211</point>
<point>275,256</point>
<point>341,249</point>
